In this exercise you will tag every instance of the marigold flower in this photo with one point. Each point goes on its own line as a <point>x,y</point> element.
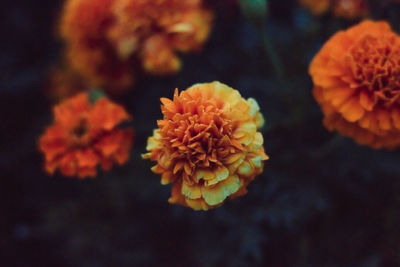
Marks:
<point>104,38</point>
<point>84,26</point>
<point>158,58</point>
<point>180,26</point>
<point>85,135</point>
<point>341,8</point>
<point>207,145</point>
<point>356,79</point>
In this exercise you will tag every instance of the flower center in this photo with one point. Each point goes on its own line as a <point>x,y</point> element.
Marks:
<point>80,134</point>
<point>376,68</point>
<point>198,134</point>
<point>202,139</point>
<point>79,131</point>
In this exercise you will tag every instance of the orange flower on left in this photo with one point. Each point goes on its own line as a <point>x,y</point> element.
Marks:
<point>85,135</point>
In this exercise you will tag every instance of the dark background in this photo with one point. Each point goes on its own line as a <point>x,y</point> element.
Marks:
<point>322,199</point>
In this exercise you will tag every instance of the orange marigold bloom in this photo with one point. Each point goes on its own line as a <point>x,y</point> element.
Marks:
<point>159,28</point>
<point>356,79</point>
<point>104,38</point>
<point>85,135</point>
<point>341,8</point>
<point>84,26</point>
<point>207,145</point>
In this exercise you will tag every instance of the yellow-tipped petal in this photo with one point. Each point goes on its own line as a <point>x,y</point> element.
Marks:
<point>245,169</point>
<point>220,174</point>
<point>217,194</point>
<point>191,192</point>
<point>205,174</point>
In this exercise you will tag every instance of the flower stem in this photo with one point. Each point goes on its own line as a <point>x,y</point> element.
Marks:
<point>273,57</point>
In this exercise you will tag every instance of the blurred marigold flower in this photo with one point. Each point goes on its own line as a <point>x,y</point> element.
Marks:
<point>349,9</point>
<point>356,79</point>
<point>105,38</point>
<point>84,25</point>
<point>207,145</point>
<point>157,29</point>
<point>85,135</point>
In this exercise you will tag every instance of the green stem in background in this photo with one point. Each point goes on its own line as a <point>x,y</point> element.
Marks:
<point>274,59</point>
<point>256,12</point>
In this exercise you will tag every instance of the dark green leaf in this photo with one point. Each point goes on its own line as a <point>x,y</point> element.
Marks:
<point>95,94</point>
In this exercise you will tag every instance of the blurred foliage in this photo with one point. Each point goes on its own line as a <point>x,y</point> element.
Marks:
<point>95,94</point>
<point>255,10</point>
<point>321,201</point>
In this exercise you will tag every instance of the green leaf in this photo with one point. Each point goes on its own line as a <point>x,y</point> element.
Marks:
<point>95,94</point>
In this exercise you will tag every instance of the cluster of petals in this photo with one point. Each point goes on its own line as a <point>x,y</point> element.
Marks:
<point>207,145</point>
<point>85,135</point>
<point>356,78</point>
<point>108,40</point>
<point>83,26</point>
<point>340,8</point>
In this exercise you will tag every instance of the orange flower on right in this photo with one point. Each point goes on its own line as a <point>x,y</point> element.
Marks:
<point>356,79</point>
